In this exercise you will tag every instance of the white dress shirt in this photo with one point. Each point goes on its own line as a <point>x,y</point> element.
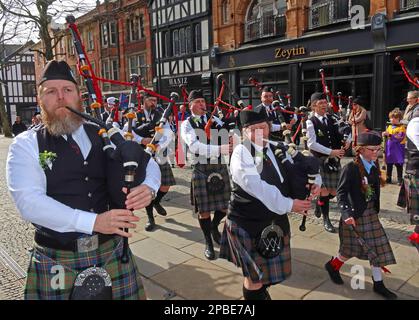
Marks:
<point>412,131</point>
<point>188,134</point>
<point>27,183</point>
<point>311,136</point>
<point>244,172</point>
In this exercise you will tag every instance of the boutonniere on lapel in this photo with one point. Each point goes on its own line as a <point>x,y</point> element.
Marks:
<point>320,133</point>
<point>369,191</point>
<point>46,158</point>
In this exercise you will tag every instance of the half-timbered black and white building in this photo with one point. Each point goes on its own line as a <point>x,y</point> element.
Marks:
<point>182,39</point>
<point>17,77</point>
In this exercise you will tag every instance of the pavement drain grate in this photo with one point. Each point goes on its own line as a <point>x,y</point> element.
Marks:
<point>8,262</point>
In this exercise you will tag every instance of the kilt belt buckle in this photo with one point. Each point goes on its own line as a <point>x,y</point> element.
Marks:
<point>86,244</point>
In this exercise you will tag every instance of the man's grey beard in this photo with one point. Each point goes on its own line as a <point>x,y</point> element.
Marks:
<point>57,127</point>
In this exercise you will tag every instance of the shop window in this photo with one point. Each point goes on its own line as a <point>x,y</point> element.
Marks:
<point>363,69</point>
<point>265,18</point>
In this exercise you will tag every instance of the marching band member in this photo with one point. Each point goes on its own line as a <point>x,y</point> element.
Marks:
<point>267,97</point>
<point>260,200</point>
<point>68,200</point>
<point>147,120</point>
<point>358,196</point>
<point>210,184</point>
<point>324,141</point>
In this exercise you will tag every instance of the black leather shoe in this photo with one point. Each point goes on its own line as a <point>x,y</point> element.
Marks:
<point>383,291</point>
<point>160,210</point>
<point>334,274</point>
<point>209,252</point>
<point>328,226</point>
<point>149,226</point>
<point>216,235</point>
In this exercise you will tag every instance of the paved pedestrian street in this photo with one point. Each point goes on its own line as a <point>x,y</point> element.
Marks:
<point>173,266</point>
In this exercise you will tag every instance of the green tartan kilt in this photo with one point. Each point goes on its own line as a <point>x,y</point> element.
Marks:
<point>167,177</point>
<point>371,230</point>
<point>330,180</point>
<point>238,247</point>
<point>201,199</point>
<point>47,280</point>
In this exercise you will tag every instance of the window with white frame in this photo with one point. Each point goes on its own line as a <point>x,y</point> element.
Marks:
<point>90,41</point>
<point>104,34</point>
<point>176,45</point>
<point>70,46</point>
<point>137,64</point>
<point>109,34</point>
<point>135,25</point>
<point>198,38</point>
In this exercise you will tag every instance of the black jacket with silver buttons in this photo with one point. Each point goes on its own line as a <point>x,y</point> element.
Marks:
<point>351,199</point>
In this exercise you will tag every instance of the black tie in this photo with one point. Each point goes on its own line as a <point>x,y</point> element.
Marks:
<point>73,144</point>
<point>325,121</point>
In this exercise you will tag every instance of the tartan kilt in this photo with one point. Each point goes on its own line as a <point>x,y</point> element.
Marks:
<point>238,247</point>
<point>167,177</point>
<point>201,199</point>
<point>330,180</point>
<point>126,280</point>
<point>370,229</point>
<point>409,196</point>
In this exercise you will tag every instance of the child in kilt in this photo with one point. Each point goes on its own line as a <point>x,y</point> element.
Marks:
<point>358,196</point>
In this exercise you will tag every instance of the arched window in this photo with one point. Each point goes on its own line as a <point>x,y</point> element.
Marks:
<point>325,12</point>
<point>265,18</point>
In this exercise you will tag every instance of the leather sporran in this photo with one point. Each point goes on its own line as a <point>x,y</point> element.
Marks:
<point>92,284</point>
<point>271,241</point>
<point>215,182</point>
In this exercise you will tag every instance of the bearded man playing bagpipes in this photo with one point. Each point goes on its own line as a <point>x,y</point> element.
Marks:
<point>80,225</point>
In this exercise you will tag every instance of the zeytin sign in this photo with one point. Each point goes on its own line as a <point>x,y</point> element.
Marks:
<point>281,53</point>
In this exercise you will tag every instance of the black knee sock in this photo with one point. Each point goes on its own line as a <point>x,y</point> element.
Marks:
<point>389,171</point>
<point>205,225</point>
<point>325,206</point>
<point>149,210</point>
<point>218,216</point>
<point>159,196</point>
<point>259,294</point>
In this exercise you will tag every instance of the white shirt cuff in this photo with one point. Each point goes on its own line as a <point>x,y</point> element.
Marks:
<point>289,205</point>
<point>85,221</point>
